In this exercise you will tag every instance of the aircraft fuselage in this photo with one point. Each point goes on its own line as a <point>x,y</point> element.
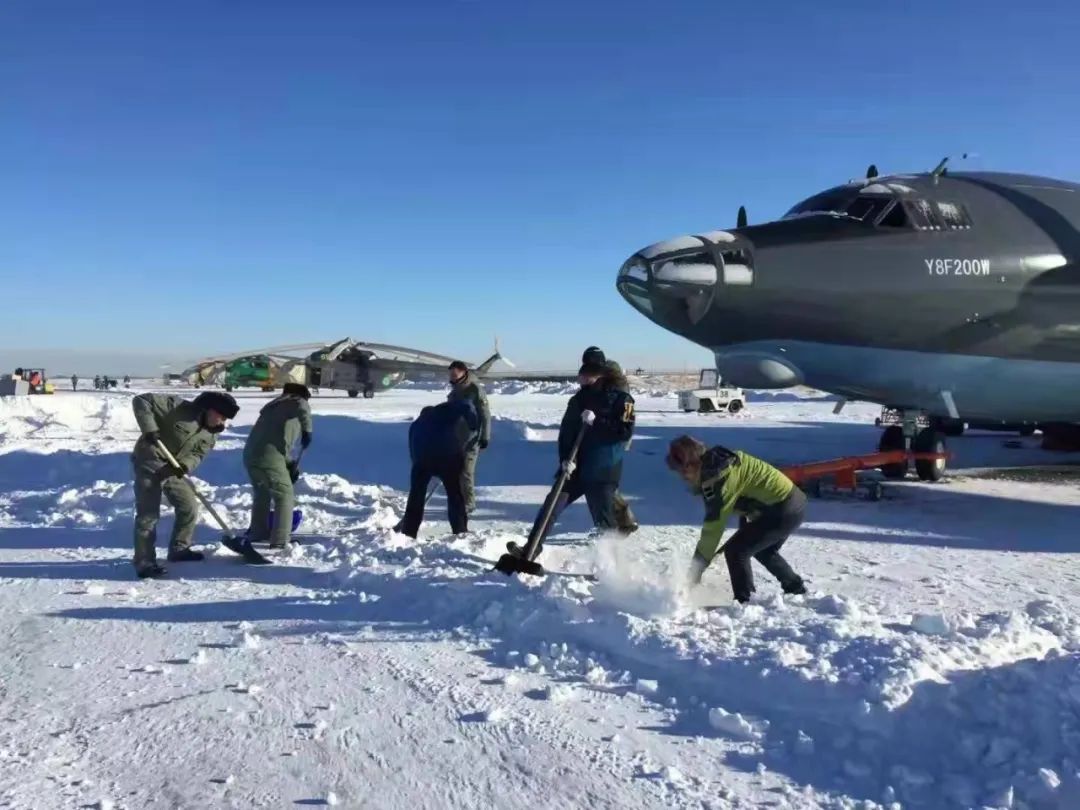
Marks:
<point>912,291</point>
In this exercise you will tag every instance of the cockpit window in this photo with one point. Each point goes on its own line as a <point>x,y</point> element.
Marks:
<point>895,217</point>
<point>923,215</point>
<point>834,200</point>
<point>954,216</point>
<point>868,209</point>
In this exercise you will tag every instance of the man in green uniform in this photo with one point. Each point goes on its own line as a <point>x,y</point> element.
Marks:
<point>271,463</point>
<point>463,386</point>
<point>736,483</point>
<point>625,522</point>
<point>188,430</point>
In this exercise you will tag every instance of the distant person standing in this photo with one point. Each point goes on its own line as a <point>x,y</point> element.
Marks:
<point>97,382</point>
<point>439,442</point>
<point>464,386</point>
<point>127,381</point>
<point>189,431</point>
<point>74,382</point>
<point>272,462</point>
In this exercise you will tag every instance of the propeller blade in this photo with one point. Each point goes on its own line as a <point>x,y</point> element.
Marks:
<point>740,220</point>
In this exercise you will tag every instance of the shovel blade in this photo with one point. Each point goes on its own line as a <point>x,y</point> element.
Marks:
<point>510,564</point>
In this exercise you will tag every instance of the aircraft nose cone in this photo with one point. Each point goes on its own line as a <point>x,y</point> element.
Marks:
<point>674,282</point>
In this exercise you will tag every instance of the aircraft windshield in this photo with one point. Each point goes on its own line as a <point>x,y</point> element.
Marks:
<point>833,201</point>
<point>868,209</point>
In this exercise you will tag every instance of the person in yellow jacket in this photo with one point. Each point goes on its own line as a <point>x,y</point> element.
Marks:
<point>770,507</point>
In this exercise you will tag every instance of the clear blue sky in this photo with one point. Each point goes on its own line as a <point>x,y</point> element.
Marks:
<point>190,177</point>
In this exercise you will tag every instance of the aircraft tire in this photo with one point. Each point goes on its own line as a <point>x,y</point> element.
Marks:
<point>892,438</point>
<point>929,441</point>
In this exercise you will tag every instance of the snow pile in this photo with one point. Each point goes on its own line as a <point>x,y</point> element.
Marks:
<point>961,706</point>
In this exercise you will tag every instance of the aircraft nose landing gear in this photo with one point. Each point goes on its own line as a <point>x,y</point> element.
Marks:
<point>915,434</point>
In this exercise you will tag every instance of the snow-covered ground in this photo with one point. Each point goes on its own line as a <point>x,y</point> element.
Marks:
<point>935,663</point>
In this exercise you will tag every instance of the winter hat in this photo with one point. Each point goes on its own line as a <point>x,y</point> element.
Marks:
<point>296,390</point>
<point>684,452</point>
<point>217,401</point>
<point>592,367</point>
<point>593,355</point>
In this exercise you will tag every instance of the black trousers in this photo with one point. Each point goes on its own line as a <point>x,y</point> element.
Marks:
<point>762,539</point>
<point>450,473</point>
<point>599,497</point>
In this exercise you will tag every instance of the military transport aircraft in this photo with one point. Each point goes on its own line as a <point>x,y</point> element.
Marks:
<point>953,296</point>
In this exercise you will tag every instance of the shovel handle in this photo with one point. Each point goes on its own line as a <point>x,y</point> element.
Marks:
<point>553,498</point>
<point>169,457</point>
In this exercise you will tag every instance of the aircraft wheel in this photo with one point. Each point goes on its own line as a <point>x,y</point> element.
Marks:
<point>892,438</point>
<point>734,406</point>
<point>354,394</point>
<point>929,441</point>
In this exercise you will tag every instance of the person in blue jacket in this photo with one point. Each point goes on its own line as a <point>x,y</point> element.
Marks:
<point>606,408</point>
<point>440,440</point>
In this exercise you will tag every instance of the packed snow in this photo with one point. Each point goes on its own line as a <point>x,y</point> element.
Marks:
<point>934,664</point>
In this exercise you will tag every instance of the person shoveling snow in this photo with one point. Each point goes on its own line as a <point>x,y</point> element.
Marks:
<point>439,441</point>
<point>771,507</point>
<point>188,431</point>
<point>598,423</point>
<point>283,423</point>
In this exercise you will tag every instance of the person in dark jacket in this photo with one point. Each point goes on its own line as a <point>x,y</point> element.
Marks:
<point>625,521</point>
<point>608,415</point>
<point>189,431</point>
<point>465,386</point>
<point>439,441</point>
<point>771,507</point>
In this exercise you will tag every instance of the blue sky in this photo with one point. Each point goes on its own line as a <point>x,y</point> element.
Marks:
<point>180,178</point>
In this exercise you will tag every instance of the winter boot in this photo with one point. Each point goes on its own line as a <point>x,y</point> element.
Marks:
<point>150,571</point>
<point>185,555</point>
<point>795,588</point>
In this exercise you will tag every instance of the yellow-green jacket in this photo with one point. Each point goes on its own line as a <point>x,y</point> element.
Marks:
<point>735,483</point>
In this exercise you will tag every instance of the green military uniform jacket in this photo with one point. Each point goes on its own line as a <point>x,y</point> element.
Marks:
<point>468,389</point>
<point>277,430</point>
<point>179,423</point>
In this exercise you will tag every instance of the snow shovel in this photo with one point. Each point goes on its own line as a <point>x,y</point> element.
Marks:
<point>434,487</point>
<point>524,563</point>
<point>233,543</point>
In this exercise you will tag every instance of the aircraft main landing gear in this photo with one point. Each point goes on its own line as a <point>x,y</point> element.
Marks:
<point>910,435</point>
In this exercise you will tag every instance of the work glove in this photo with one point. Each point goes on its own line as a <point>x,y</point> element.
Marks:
<point>568,467</point>
<point>483,444</point>
<point>169,471</point>
<point>588,417</point>
<point>305,439</point>
<point>294,471</point>
<point>151,437</point>
<point>697,567</point>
